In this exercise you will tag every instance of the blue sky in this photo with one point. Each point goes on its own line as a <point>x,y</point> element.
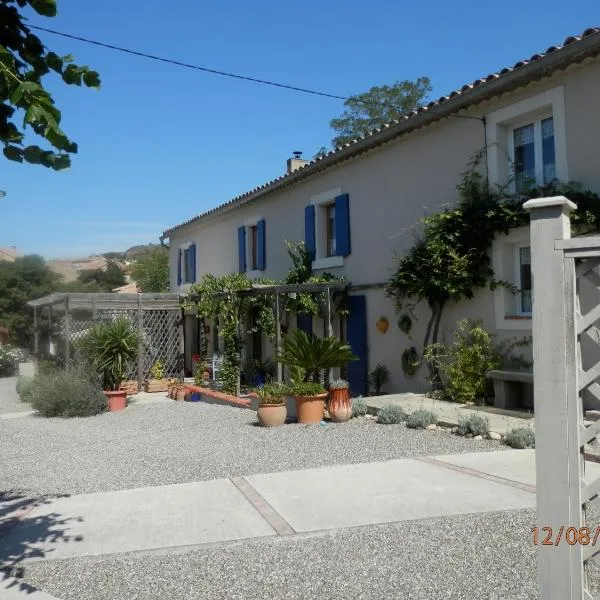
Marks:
<point>159,144</point>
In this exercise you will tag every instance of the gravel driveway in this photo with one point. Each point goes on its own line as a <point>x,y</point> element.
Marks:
<point>481,557</point>
<point>176,442</point>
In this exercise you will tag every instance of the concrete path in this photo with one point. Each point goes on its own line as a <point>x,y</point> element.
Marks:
<point>276,504</point>
<point>501,421</point>
<point>10,402</point>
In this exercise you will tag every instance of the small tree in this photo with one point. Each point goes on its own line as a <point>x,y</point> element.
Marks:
<point>380,105</point>
<point>151,271</point>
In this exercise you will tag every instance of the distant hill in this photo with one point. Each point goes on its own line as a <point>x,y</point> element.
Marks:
<point>132,253</point>
<point>69,268</point>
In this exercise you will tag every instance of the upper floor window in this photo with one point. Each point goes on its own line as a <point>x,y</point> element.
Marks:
<point>527,141</point>
<point>252,246</point>
<point>533,154</point>
<point>186,265</point>
<point>330,229</point>
<point>327,228</point>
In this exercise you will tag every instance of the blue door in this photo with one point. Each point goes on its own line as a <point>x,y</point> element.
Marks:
<point>356,337</point>
<point>305,322</point>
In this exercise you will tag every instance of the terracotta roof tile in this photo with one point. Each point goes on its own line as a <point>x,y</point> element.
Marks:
<point>310,166</point>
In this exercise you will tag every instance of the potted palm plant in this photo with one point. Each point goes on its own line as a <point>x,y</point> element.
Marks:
<point>272,410</point>
<point>309,356</point>
<point>111,347</point>
<point>339,405</point>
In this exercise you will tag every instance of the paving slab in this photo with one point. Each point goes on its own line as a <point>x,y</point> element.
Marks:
<point>133,520</point>
<point>367,494</point>
<point>516,465</point>
<point>501,421</point>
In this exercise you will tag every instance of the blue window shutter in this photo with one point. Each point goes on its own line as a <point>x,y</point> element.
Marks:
<point>342,225</point>
<point>242,249</point>
<point>193,263</point>
<point>309,230</point>
<point>179,267</point>
<point>261,254</point>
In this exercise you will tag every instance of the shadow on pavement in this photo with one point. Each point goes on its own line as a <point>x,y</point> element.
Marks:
<point>25,535</point>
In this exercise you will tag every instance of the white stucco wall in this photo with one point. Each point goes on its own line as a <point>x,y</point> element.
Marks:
<point>390,189</point>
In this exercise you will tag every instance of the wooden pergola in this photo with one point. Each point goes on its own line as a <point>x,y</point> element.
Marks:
<point>278,290</point>
<point>95,303</point>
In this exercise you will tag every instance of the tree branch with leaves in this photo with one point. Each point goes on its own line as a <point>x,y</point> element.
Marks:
<point>24,63</point>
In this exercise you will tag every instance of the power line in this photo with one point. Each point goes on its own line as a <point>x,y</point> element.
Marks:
<point>188,65</point>
<point>227,74</point>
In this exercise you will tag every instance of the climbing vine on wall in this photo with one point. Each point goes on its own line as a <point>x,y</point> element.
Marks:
<point>222,299</point>
<point>450,258</point>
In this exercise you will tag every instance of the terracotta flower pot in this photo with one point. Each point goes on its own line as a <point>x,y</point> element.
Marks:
<point>271,415</point>
<point>310,409</point>
<point>339,406</point>
<point>116,400</point>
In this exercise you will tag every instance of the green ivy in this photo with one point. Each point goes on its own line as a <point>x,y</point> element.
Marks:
<point>450,259</point>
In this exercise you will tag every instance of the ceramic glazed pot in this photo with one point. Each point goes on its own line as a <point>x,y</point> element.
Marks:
<point>310,409</point>
<point>339,406</point>
<point>271,415</point>
<point>116,400</point>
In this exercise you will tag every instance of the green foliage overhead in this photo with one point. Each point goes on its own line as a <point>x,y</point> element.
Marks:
<point>111,347</point>
<point>24,100</point>
<point>25,279</point>
<point>151,271</point>
<point>314,355</point>
<point>380,105</point>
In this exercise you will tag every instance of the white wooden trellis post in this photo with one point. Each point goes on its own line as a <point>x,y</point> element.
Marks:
<point>556,399</point>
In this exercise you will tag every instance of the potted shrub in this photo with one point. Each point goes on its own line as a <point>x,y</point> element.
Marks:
<point>310,401</point>
<point>309,356</point>
<point>111,347</point>
<point>272,410</point>
<point>339,405</point>
<point>157,381</point>
<point>378,377</point>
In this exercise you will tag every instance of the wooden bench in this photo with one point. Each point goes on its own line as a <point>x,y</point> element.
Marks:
<point>512,389</point>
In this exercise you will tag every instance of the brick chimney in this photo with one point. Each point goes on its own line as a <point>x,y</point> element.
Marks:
<point>293,164</point>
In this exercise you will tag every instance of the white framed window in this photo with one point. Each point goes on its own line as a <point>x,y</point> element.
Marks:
<point>526,141</point>
<point>511,261</point>
<point>325,230</point>
<point>532,153</point>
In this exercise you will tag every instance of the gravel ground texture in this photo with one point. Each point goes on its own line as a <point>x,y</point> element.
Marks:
<point>483,556</point>
<point>177,442</point>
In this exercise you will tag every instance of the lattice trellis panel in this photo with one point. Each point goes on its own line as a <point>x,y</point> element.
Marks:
<point>160,335</point>
<point>587,330</point>
<point>161,341</point>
